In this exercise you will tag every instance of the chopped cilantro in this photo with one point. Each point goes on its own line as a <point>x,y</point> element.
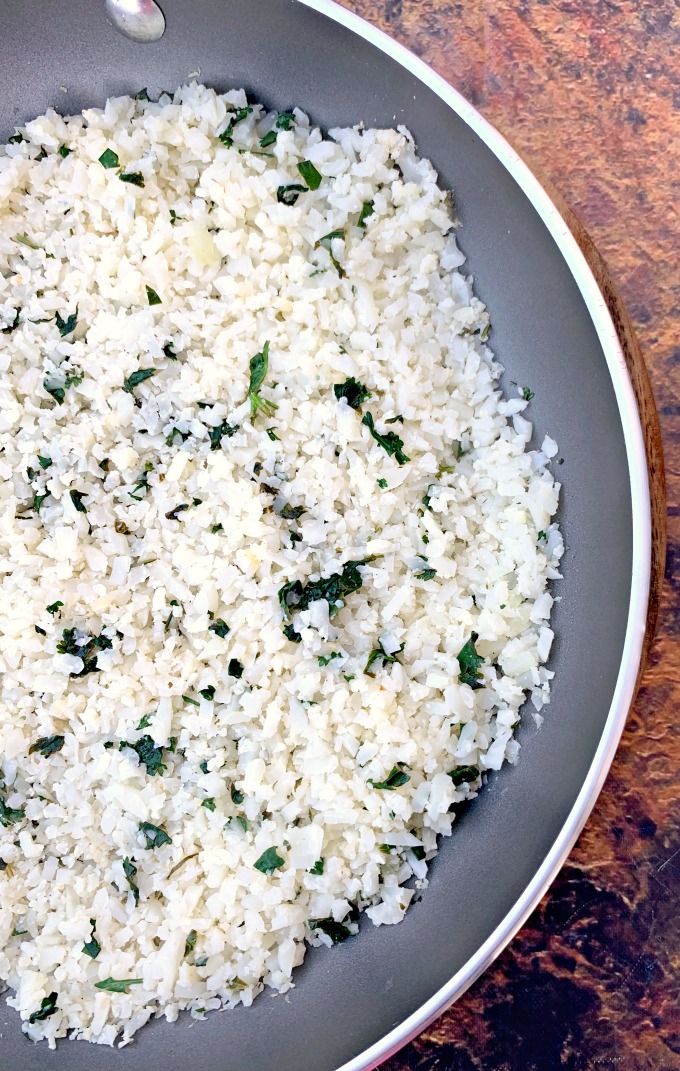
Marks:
<point>268,139</point>
<point>390,441</point>
<point>217,528</point>
<point>527,394</point>
<point>173,514</point>
<point>292,513</point>
<point>310,174</point>
<point>169,351</point>
<point>382,482</point>
<point>173,217</point>
<point>272,435</point>
<point>86,649</point>
<point>258,370</point>
<point>10,815</point>
<point>13,326</point>
<point>285,120</point>
<point>366,211</point>
<point>326,242</point>
<point>208,693</point>
<point>190,701</point>
<point>142,95</point>
<point>464,774</point>
<point>470,662</point>
<point>190,943</point>
<point>209,804</point>
<point>426,574</point>
<point>47,745</point>
<point>135,178</point>
<point>117,985</point>
<point>109,159</point>
<point>235,668</point>
<point>243,822</point>
<point>68,325</point>
<point>226,136</point>
<point>354,392</point>
<point>294,596</point>
<point>268,862</point>
<point>152,296</point>
<point>145,722</point>
<point>133,380</point>
<point>48,1006</point>
<point>217,433</point>
<point>237,797</point>
<point>317,869</point>
<point>220,628</point>
<point>148,753</point>
<point>395,420</point>
<point>38,500</point>
<point>92,948</point>
<point>325,660</point>
<point>335,930</point>
<point>288,195</point>
<point>154,836</point>
<point>542,535</point>
<point>142,485</point>
<point>39,630</point>
<point>23,239</point>
<point>395,779</point>
<point>44,462</point>
<point>290,634</point>
<point>378,654</point>
<point>54,607</point>
<point>77,500</point>
<point>130,870</point>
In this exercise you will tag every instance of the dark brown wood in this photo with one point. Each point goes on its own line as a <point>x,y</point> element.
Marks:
<point>588,92</point>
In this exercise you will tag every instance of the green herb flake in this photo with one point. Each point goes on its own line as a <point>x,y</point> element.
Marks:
<point>145,722</point>
<point>325,660</point>
<point>109,159</point>
<point>259,365</point>
<point>39,630</point>
<point>9,816</point>
<point>367,210</point>
<point>527,394</point>
<point>38,501</point>
<point>142,95</point>
<point>382,483</point>
<point>269,861</point>
<point>209,804</point>
<point>317,869</point>
<point>334,589</point>
<point>290,634</point>
<point>169,351</point>
<point>190,943</point>
<point>470,662</point>
<point>243,822</point>
<point>217,528</point>
<point>395,779</point>
<point>542,535</point>
<point>268,139</point>
<point>464,774</point>
<point>288,195</point>
<point>226,136</point>
<point>129,869</point>
<point>190,701</point>
<point>23,239</point>
<point>326,242</point>
<point>48,1006</point>
<point>47,745</point>
<point>152,296</point>
<point>173,514</point>
<point>173,217</point>
<point>77,500</point>
<point>14,324</point>
<point>378,654</point>
<point>58,393</point>
<point>292,513</point>
<point>66,326</point>
<point>310,174</point>
<point>235,668</point>
<point>237,796</point>
<point>136,378</point>
<point>117,985</point>
<point>335,930</point>
<point>220,628</point>
<point>426,574</point>
<point>134,178</point>
<point>218,433</point>
<point>92,948</point>
<point>44,462</point>
<point>54,607</point>
<point>272,435</point>
<point>208,693</point>
<point>148,753</point>
<point>390,441</point>
<point>354,392</point>
<point>395,420</point>
<point>154,836</point>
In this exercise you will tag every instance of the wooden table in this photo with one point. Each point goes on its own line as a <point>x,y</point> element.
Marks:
<point>589,92</point>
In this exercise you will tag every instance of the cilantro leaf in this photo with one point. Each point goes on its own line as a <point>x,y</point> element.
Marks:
<point>354,392</point>
<point>294,596</point>
<point>148,753</point>
<point>92,948</point>
<point>135,178</point>
<point>220,628</point>
<point>136,378</point>
<point>129,869</point>
<point>390,441</point>
<point>379,654</point>
<point>395,779</point>
<point>268,862</point>
<point>335,930</point>
<point>117,985</point>
<point>288,195</point>
<point>258,370</point>
<point>68,325</point>
<point>109,159</point>
<point>48,1006</point>
<point>317,869</point>
<point>470,662</point>
<point>464,774</point>
<point>154,836</point>
<point>366,211</point>
<point>152,296</point>
<point>310,174</point>
<point>47,745</point>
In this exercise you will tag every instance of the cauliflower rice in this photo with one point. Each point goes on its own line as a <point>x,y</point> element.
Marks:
<point>275,551</point>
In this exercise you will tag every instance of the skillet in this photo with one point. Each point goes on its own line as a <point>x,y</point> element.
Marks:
<point>355,1004</point>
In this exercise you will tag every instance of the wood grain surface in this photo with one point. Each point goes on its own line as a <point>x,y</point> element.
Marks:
<point>589,92</point>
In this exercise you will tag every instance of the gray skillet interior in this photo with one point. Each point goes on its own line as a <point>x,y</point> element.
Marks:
<point>283,53</point>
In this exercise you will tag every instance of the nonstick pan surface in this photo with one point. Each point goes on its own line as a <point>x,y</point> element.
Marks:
<point>356,1003</point>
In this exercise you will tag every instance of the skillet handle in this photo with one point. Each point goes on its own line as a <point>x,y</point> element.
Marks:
<point>139,20</point>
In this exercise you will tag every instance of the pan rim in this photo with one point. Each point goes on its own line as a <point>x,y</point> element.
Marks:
<point>631,655</point>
